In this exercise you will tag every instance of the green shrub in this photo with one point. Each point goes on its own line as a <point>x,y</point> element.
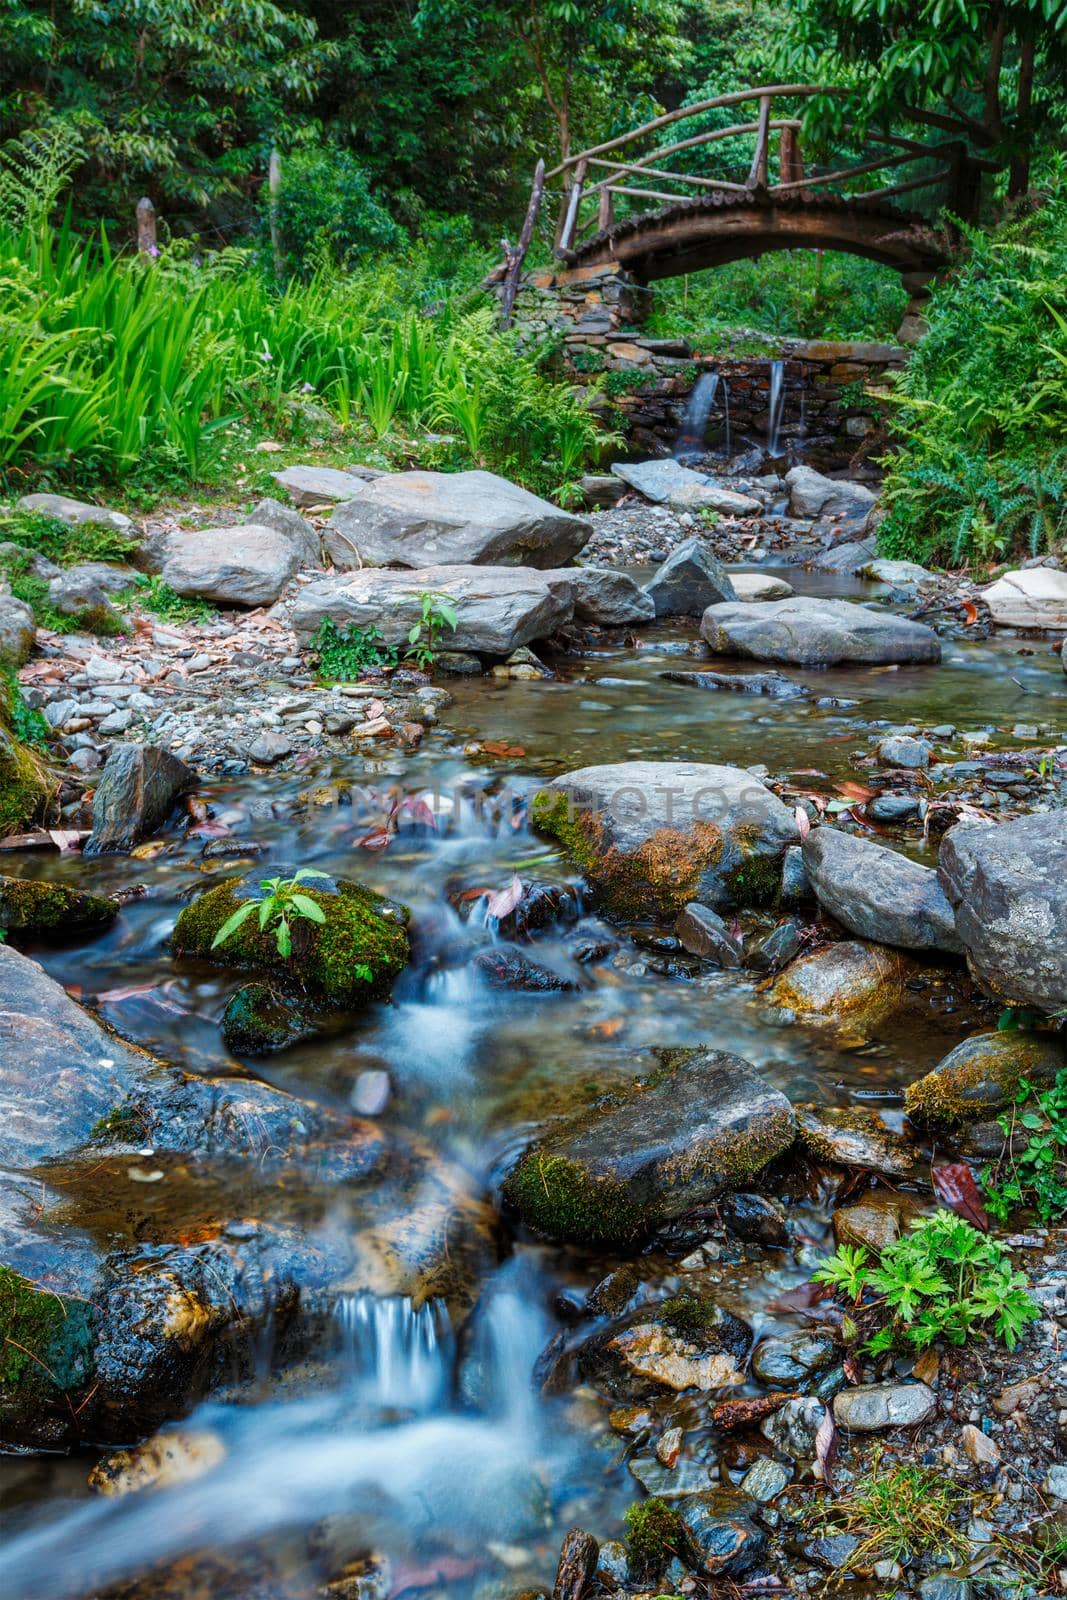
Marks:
<point>152,594</point>
<point>1036,1175</point>
<point>63,543</point>
<point>326,209</point>
<point>342,655</point>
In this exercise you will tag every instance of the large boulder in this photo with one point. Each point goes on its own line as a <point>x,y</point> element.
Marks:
<point>689,581</point>
<point>816,633</point>
<point>498,608</point>
<point>1007,883</point>
<point>246,565</point>
<point>812,495</point>
<point>315,486</point>
<point>425,519</point>
<point>356,952</point>
<point>658,480</point>
<point>603,595</point>
<point>878,893</point>
<point>698,1129</point>
<point>979,1076</point>
<point>135,796</point>
<point>651,836</point>
<point>1034,597</point>
<point>17,631</point>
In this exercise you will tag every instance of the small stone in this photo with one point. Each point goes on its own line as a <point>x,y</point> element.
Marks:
<point>723,1540</point>
<point>944,1586</point>
<point>269,748</point>
<point>1056,1482</point>
<point>85,759</point>
<point>875,1223</point>
<point>370,1092</point>
<point>792,1428</point>
<point>789,1360</point>
<point>614,1564</point>
<point>669,1447</point>
<point>704,933</point>
<point>832,1550</point>
<point>913,754</point>
<point>874,1406</point>
<point>117,722</point>
<point>1017,1396</point>
<point>978,1447</point>
<point>765,1480</point>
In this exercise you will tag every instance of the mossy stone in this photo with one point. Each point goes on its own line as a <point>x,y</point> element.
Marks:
<point>45,1340</point>
<point>260,1021</point>
<point>355,954</point>
<point>981,1075</point>
<point>28,905</point>
<point>24,789</point>
<point>653,1536</point>
<point>559,1199</point>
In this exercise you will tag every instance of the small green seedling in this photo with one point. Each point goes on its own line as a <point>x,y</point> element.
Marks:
<point>436,613</point>
<point>282,902</point>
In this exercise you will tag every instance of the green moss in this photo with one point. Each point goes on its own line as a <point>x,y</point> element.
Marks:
<point>691,1313</point>
<point>30,906</point>
<point>653,1537</point>
<point>363,933</point>
<point>259,1020</point>
<point>757,881</point>
<point>44,1337</point>
<point>981,1076</point>
<point>23,787</point>
<point>121,1125</point>
<point>554,1197</point>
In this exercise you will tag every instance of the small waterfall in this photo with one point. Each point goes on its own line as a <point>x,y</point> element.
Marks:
<point>726,416</point>
<point>394,1356</point>
<point>777,405</point>
<point>695,422</point>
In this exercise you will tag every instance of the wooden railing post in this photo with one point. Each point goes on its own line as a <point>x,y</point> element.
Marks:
<point>146,228</point>
<point>790,161</point>
<point>574,200</point>
<point>605,210</point>
<point>757,177</point>
<point>516,257</point>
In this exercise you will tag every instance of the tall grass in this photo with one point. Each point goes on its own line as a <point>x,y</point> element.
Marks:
<point>115,369</point>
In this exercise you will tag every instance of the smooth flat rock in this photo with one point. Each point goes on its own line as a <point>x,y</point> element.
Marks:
<point>875,1406</point>
<point>658,480</point>
<point>498,608</point>
<point>603,595</point>
<point>135,796</point>
<point>655,835</point>
<point>848,558</point>
<point>649,1354</point>
<point>849,1136</point>
<point>17,631</point>
<point>424,519</point>
<point>1035,597</point>
<point>689,581</point>
<point>816,633</point>
<point>246,565</point>
<point>775,684</point>
<point>76,512</point>
<point>813,495</point>
<point>878,893</point>
<point>711,496</point>
<point>1007,883</point>
<point>702,1128</point>
<point>760,586</point>
<point>316,486</point>
<point>900,574</point>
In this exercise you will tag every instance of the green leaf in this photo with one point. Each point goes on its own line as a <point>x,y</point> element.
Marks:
<point>231,925</point>
<point>285,940</point>
<point>307,908</point>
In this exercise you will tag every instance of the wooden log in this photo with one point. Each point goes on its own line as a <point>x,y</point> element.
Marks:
<point>515,258</point>
<point>605,210</point>
<point>637,170</point>
<point>570,216</point>
<point>757,177</point>
<point>146,228</point>
<point>817,180</point>
<point>274,189</point>
<point>709,136</point>
<point>790,161</point>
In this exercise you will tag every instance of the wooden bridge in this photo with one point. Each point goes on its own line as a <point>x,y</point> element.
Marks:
<point>704,218</point>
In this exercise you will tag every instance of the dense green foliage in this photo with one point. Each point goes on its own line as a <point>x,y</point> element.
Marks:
<point>1031,1170</point>
<point>982,415</point>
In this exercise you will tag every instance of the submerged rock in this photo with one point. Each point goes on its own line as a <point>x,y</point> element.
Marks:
<point>775,684</point>
<point>356,953</point>
<point>878,893</point>
<point>258,1020</point>
<point>816,633</point>
<point>849,980</point>
<point>31,905</point>
<point>789,1360</point>
<point>689,581</point>
<point>426,519</point>
<point>683,1343</point>
<point>1007,883</point>
<point>703,1126</point>
<point>180,1455</point>
<point>704,933</point>
<point>135,796</point>
<point>652,836</point>
<point>980,1075</point>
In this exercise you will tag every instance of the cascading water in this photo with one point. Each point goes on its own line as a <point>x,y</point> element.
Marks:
<point>726,417</point>
<point>695,422</point>
<point>394,1356</point>
<point>777,405</point>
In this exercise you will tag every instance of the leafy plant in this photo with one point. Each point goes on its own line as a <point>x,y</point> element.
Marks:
<point>1036,1175</point>
<point>64,543</point>
<point>436,613</point>
<point>898,1513</point>
<point>282,902</point>
<point>344,654</point>
<point>153,595</point>
<point>942,1279</point>
<point>27,725</point>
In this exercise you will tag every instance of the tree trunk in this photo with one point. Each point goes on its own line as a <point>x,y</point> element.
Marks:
<point>1019,176</point>
<point>992,76</point>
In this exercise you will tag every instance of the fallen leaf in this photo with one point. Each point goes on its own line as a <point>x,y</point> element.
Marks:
<point>970,613</point>
<point>503,901</point>
<point>955,1187</point>
<point>500,747</point>
<point>378,840</point>
<point>66,840</point>
<point>803,821</point>
<point>802,1298</point>
<point>855,791</point>
<point>826,1447</point>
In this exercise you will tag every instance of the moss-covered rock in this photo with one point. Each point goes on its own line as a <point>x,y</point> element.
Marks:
<point>980,1076</point>
<point>45,1343</point>
<point>30,906</point>
<point>356,953</point>
<point>24,786</point>
<point>260,1021</point>
<point>653,1537</point>
<point>851,982</point>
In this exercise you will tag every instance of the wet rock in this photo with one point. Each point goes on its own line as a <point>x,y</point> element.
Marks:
<point>775,684</point>
<point>426,519</point>
<point>792,1428</point>
<point>658,480</point>
<point>899,574</point>
<point>604,595</point>
<point>816,633</point>
<point>354,954</point>
<point>246,565</point>
<point>946,1586</point>
<point>850,1137</point>
<point>179,1456</point>
<point>834,1551</point>
<point>655,836</point>
<point>756,1218</point>
<point>689,581</point>
<point>844,981</point>
<point>76,512</point>
<point>702,1127</point>
<point>796,887</point>
<point>577,1565</point>
<point>813,495</point>
<point>980,1075</point>
<point>876,1406</point>
<point>135,796</point>
<point>760,586</point>
<point>29,905</point>
<point>498,608</point>
<point>892,807</point>
<point>1033,597</point>
<point>978,1447</point>
<point>601,490</point>
<point>714,497</point>
<point>791,1359</point>
<point>460,663</point>
<point>269,747</point>
<point>703,933</point>
<point>878,893</point>
<point>875,1223</point>
<point>685,1343</point>
<point>723,1541</point>
<point>510,969</point>
<point>316,486</point>
<point>17,631</point>
<point>899,750</point>
<point>848,558</point>
<point>614,1564</point>
<point>259,1020</point>
<point>769,952</point>
<point>764,1480</point>
<point>1007,883</point>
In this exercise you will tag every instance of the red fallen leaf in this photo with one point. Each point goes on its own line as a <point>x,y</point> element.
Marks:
<point>729,1415</point>
<point>418,811</point>
<point>855,791</point>
<point>826,1447</point>
<point>970,613</point>
<point>955,1187</point>
<point>500,747</point>
<point>378,840</point>
<point>802,1298</point>
<point>503,901</point>
<point>466,895</point>
<point>853,1371</point>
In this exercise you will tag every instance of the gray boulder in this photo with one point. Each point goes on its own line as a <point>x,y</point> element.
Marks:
<point>27,560</point>
<point>499,608</point>
<point>711,496</point>
<point>878,893</point>
<point>246,565</point>
<point>689,581</point>
<point>315,486</point>
<point>812,495</point>
<point>604,595</point>
<point>651,836</point>
<point>283,519</point>
<point>1007,883</point>
<point>900,574</point>
<point>849,558</point>
<point>135,796</point>
<point>17,631</point>
<point>658,480</point>
<point>76,512</point>
<point>424,519</point>
<point>1033,597</point>
<point>703,1128</point>
<point>703,933</point>
<point>816,633</point>
<point>84,590</point>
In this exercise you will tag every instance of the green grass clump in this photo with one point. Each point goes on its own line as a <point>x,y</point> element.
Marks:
<point>942,1280</point>
<point>898,1513</point>
<point>44,1337</point>
<point>653,1537</point>
<point>65,543</point>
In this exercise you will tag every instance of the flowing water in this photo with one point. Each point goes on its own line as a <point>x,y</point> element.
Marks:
<point>423,1431</point>
<point>690,440</point>
<point>776,406</point>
